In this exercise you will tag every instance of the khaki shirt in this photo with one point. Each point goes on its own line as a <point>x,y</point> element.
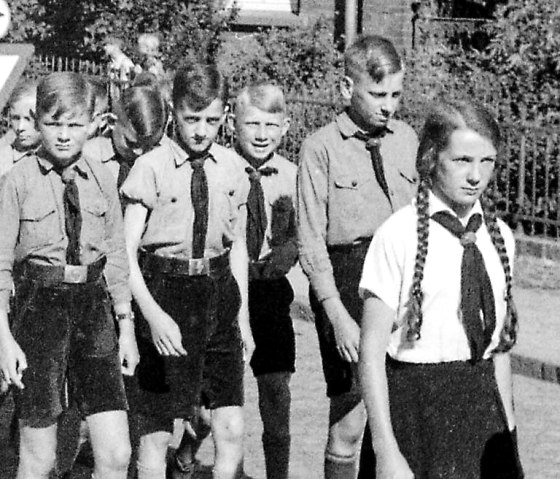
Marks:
<point>339,199</point>
<point>9,156</point>
<point>33,223</point>
<point>160,180</point>
<point>99,148</point>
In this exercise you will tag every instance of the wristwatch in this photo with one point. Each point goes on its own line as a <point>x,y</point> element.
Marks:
<point>123,316</point>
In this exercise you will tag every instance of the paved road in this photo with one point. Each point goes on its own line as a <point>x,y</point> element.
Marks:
<point>536,401</point>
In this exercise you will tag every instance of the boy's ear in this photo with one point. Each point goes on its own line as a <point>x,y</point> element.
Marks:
<point>346,88</point>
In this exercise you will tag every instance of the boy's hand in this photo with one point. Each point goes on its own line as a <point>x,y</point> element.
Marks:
<point>12,362</point>
<point>128,349</point>
<point>248,342</point>
<point>166,334</point>
<point>346,330</point>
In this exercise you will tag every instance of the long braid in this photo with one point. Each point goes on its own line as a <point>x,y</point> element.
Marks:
<point>416,294</point>
<point>508,335</point>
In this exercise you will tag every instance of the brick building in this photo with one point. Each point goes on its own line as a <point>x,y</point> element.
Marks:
<point>390,18</point>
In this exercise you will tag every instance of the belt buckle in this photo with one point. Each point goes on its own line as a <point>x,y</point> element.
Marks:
<point>199,266</point>
<point>75,274</point>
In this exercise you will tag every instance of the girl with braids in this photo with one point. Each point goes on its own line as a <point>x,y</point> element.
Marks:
<point>439,319</point>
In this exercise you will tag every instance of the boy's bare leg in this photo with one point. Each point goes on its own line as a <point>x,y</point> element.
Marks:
<point>347,420</point>
<point>274,407</point>
<point>227,432</point>
<point>196,430</point>
<point>152,453</point>
<point>37,451</point>
<point>110,441</point>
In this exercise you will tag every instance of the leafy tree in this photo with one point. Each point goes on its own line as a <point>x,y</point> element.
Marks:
<point>186,27</point>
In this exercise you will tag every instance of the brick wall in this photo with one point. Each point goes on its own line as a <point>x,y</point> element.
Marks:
<point>390,18</point>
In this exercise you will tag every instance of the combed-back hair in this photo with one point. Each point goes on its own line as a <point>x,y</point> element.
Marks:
<point>374,56</point>
<point>443,120</point>
<point>65,92</point>
<point>197,85</point>
<point>265,96</point>
<point>144,110</point>
<point>24,89</point>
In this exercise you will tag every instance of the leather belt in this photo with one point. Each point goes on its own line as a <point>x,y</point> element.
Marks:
<point>49,275</point>
<point>153,263</point>
<point>343,248</point>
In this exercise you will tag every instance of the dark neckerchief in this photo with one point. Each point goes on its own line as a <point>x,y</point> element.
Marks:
<point>476,289</point>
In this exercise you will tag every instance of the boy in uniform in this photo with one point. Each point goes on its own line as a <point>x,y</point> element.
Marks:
<point>260,122</point>
<point>63,248</point>
<point>353,174</point>
<point>189,277</point>
<point>22,137</point>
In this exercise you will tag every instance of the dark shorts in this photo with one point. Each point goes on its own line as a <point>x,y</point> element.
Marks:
<point>167,387</point>
<point>449,421</point>
<point>67,333</point>
<point>347,263</point>
<point>271,325</point>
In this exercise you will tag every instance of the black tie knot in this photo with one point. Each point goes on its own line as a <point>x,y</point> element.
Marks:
<point>198,163</point>
<point>466,234</point>
<point>371,139</point>
<point>255,174</point>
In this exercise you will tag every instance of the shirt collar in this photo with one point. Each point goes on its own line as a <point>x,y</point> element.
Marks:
<point>181,156</point>
<point>436,205</point>
<point>348,128</point>
<point>272,161</point>
<point>80,166</point>
<point>18,155</point>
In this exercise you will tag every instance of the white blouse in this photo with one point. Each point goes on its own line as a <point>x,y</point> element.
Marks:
<point>388,272</point>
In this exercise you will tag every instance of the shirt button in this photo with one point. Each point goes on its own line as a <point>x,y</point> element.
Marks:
<point>354,183</point>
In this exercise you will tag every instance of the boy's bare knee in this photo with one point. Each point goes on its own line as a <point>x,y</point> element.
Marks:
<point>227,426</point>
<point>114,458</point>
<point>35,461</point>
<point>153,449</point>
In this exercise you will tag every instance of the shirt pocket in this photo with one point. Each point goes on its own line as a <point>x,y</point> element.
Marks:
<point>38,225</point>
<point>225,207</point>
<point>168,221</point>
<point>94,217</point>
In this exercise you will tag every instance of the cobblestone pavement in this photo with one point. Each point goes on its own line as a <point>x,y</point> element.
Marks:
<point>536,401</point>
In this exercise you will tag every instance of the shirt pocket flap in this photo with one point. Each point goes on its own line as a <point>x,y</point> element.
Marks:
<point>98,208</point>
<point>348,183</point>
<point>408,177</point>
<point>36,213</point>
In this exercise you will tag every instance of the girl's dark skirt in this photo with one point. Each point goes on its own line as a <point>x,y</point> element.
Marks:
<point>449,421</point>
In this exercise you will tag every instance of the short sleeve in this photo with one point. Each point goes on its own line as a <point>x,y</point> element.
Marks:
<point>382,273</point>
<point>140,185</point>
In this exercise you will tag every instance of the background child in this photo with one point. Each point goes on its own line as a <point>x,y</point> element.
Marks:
<point>63,248</point>
<point>141,119</point>
<point>148,47</point>
<point>183,221</point>
<point>439,318</point>
<point>353,174</point>
<point>25,137</point>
